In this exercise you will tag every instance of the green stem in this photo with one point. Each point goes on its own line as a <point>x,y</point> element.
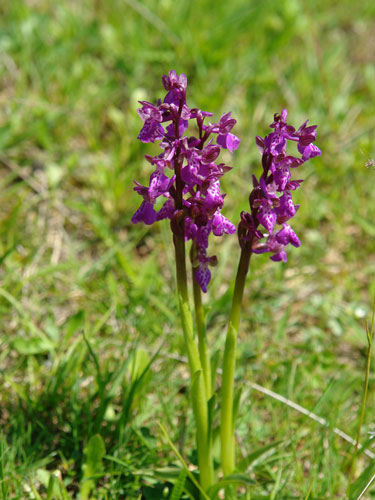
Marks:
<point>227,391</point>
<point>370,337</point>
<point>204,352</point>
<point>198,390</point>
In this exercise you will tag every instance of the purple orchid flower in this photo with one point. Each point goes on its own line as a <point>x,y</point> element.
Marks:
<point>187,175</point>
<point>271,202</point>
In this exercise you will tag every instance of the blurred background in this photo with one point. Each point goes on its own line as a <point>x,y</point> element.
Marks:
<point>87,299</point>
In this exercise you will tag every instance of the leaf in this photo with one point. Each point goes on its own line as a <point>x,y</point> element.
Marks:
<point>74,323</point>
<point>359,485</point>
<point>252,457</point>
<point>310,488</point>
<point>195,378</point>
<point>32,487</point>
<point>43,476</point>
<point>52,330</point>
<point>138,364</point>
<point>179,485</point>
<point>7,252</point>
<point>215,360</point>
<point>236,405</point>
<point>232,479</point>
<point>33,345</point>
<point>177,453</point>
<point>211,409</point>
<point>53,488</point>
<point>169,474</point>
<point>94,451</point>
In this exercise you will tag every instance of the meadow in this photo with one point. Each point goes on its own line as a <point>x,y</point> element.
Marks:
<point>91,351</point>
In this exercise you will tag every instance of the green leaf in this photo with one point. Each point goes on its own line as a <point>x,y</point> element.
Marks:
<point>43,476</point>
<point>35,493</point>
<point>195,378</point>
<point>310,488</point>
<point>74,323</point>
<point>215,360</point>
<point>33,345</point>
<point>236,405</point>
<point>177,453</point>
<point>94,451</point>
<point>53,488</point>
<point>211,413</point>
<point>7,252</point>
<point>247,461</point>
<point>139,363</point>
<point>171,475</point>
<point>179,485</point>
<point>52,330</point>
<point>361,482</point>
<point>232,479</point>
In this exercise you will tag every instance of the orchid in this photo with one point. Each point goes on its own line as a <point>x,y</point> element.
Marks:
<point>187,174</point>
<point>185,189</point>
<point>271,202</point>
<point>271,206</point>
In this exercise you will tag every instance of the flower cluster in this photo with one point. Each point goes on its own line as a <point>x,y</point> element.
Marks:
<point>191,191</point>
<point>271,201</point>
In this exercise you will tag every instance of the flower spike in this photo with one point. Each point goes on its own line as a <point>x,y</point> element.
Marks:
<point>271,200</point>
<point>192,197</point>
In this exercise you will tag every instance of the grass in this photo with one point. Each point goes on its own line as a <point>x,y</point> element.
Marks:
<point>87,299</point>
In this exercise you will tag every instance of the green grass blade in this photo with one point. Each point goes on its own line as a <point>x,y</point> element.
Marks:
<point>183,463</point>
<point>179,485</point>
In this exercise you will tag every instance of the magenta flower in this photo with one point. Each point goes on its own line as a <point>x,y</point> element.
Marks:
<point>271,202</point>
<point>187,174</point>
